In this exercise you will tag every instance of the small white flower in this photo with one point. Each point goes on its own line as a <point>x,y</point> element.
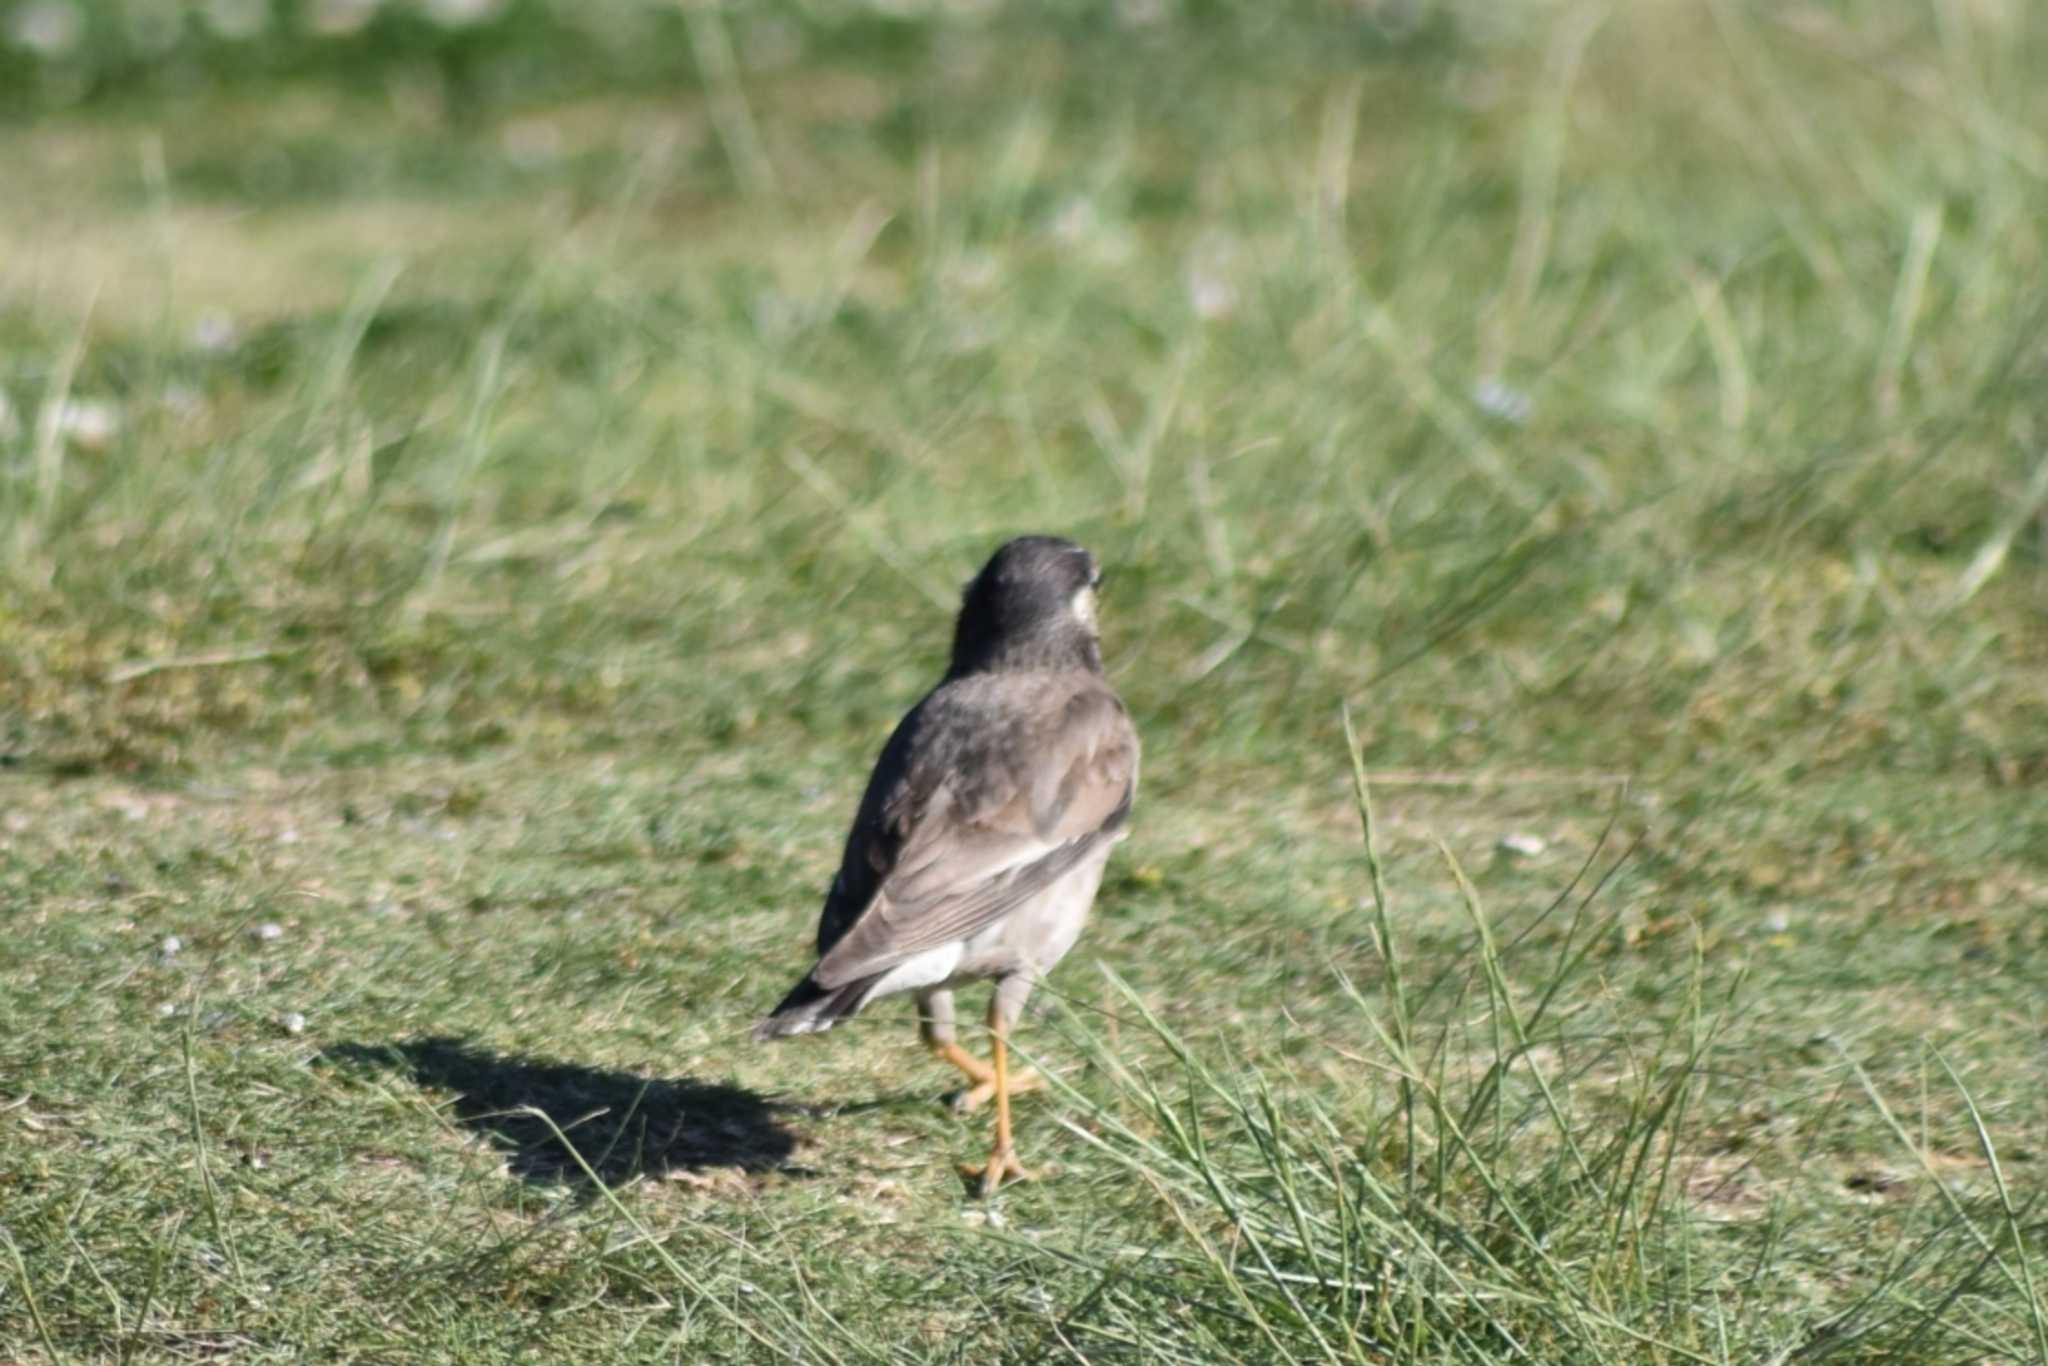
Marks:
<point>89,423</point>
<point>1213,295</point>
<point>268,931</point>
<point>1503,401</point>
<point>48,28</point>
<point>1212,282</point>
<point>293,1022</point>
<point>1522,844</point>
<point>215,332</point>
<point>171,946</point>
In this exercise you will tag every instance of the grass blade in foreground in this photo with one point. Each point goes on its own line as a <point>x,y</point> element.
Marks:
<point>1497,1183</point>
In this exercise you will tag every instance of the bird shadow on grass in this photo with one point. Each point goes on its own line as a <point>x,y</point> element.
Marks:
<point>623,1125</point>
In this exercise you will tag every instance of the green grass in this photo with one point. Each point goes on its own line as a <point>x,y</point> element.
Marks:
<point>543,466</point>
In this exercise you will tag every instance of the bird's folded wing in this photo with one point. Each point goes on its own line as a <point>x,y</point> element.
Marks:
<point>982,831</point>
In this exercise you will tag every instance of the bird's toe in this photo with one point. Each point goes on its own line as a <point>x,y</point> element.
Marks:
<point>1002,1166</point>
<point>971,1098</point>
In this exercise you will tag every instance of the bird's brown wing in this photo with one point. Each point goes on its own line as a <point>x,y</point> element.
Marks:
<point>1006,787</point>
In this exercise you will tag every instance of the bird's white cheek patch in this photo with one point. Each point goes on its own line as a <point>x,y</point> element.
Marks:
<point>1083,605</point>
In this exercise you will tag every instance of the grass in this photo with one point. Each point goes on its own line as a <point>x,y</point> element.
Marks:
<point>472,501</point>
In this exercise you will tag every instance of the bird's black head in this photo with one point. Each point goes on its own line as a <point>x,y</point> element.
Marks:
<point>1032,606</point>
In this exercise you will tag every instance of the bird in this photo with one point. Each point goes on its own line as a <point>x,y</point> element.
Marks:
<point>980,842</point>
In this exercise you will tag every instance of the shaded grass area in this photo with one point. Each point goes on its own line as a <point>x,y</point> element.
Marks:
<point>624,1126</point>
<point>460,554</point>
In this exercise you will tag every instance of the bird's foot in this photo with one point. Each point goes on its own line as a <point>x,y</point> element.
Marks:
<point>974,1097</point>
<point>1002,1166</point>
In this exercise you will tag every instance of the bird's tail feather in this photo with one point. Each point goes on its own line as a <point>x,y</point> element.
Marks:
<point>810,1007</point>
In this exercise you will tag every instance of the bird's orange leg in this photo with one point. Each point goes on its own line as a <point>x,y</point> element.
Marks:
<point>1002,1161</point>
<point>981,1074</point>
<point>935,1025</point>
<point>977,1095</point>
<point>978,1072</point>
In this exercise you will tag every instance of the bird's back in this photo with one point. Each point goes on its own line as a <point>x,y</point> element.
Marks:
<point>988,774</point>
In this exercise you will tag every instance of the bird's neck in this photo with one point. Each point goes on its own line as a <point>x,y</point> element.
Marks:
<point>1047,652</point>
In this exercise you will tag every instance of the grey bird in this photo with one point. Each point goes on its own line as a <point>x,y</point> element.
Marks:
<point>979,846</point>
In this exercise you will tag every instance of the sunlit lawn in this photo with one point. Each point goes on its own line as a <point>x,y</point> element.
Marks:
<point>473,500</point>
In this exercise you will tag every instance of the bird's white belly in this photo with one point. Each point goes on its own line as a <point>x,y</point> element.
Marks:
<point>1035,936</point>
<point>927,969</point>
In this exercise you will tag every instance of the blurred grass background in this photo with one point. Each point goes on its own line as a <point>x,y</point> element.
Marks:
<point>478,480</point>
